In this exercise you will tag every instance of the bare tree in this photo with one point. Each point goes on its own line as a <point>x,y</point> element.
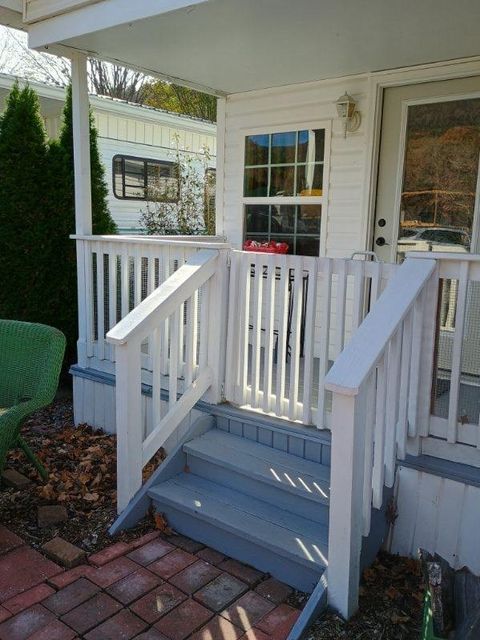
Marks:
<point>104,78</point>
<point>115,81</point>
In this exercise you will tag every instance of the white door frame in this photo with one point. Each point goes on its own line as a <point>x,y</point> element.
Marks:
<point>377,83</point>
<point>401,164</point>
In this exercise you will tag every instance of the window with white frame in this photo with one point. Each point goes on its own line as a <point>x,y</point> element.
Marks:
<point>283,188</point>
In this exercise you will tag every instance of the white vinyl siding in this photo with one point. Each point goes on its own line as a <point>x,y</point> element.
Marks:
<point>343,215</point>
<point>439,515</point>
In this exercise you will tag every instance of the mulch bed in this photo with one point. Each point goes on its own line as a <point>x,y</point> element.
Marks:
<point>82,476</point>
<point>391,604</point>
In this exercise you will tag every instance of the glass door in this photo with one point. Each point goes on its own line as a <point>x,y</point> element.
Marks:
<point>428,185</point>
<point>428,200</point>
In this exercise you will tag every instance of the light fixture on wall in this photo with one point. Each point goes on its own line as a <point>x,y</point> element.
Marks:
<point>347,111</point>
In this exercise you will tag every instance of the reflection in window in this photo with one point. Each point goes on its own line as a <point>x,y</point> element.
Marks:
<point>297,225</point>
<point>284,164</point>
<point>133,178</point>
<point>440,175</point>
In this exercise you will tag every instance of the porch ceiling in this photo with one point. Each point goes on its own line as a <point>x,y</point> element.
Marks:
<point>231,46</point>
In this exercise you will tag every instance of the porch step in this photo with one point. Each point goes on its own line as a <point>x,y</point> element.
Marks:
<point>256,504</point>
<point>287,481</point>
<point>290,547</point>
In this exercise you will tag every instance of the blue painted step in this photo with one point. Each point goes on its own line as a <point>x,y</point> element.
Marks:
<point>287,481</point>
<point>254,503</point>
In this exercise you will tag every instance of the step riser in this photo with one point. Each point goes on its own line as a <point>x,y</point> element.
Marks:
<point>281,498</point>
<point>263,559</point>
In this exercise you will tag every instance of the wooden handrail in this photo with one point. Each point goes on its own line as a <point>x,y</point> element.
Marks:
<point>199,242</point>
<point>366,346</point>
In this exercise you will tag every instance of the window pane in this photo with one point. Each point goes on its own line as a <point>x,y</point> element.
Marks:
<point>307,246</point>
<point>311,145</point>
<point>117,177</point>
<point>310,180</point>
<point>283,148</point>
<point>133,191</point>
<point>281,181</point>
<point>440,176</point>
<point>162,182</point>
<point>283,219</point>
<point>256,182</point>
<point>256,150</point>
<point>134,167</point>
<point>257,218</point>
<point>308,218</point>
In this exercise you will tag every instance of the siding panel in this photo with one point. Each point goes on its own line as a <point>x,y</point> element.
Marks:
<point>439,515</point>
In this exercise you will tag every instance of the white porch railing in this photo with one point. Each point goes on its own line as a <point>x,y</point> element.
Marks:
<point>381,385</point>
<point>291,318</point>
<point>180,320</point>
<point>115,274</point>
<point>454,423</point>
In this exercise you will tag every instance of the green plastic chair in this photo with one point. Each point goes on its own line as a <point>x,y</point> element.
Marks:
<point>31,358</point>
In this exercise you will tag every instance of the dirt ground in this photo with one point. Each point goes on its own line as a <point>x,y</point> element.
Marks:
<point>82,476</point>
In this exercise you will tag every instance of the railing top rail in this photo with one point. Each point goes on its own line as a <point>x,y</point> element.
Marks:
<point>198,242</point>
<point>162,302</point>
<point>444,255</point>
<point>366,346</point>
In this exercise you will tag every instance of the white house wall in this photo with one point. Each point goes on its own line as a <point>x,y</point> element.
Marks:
<point>439,515</point>
<point>344,230</point>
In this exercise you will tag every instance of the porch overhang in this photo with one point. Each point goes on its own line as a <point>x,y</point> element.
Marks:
<point>228,46</point>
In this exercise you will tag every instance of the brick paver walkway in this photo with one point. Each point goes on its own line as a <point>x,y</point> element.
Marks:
<point>151,589</point>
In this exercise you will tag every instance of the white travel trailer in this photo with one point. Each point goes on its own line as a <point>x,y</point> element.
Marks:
<point>132,140</point>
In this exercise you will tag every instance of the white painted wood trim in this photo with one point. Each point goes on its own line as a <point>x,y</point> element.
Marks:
<point>346,486</point>
<point>129,428</point>
<point>220,164</point>
<point>367,344</point>
<point>81,145</point>
<point>193,242</point>
<point>174,417</point>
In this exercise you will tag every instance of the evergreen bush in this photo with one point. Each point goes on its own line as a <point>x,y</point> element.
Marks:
<point>37,216</point>
<point>24,199</point>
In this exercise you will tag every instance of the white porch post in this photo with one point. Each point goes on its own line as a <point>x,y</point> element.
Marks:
<point>83,190</point>
<point>81,145</point>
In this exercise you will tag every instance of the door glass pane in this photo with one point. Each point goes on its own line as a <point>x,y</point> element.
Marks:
<point>437,211</point>
<point>440,177</point>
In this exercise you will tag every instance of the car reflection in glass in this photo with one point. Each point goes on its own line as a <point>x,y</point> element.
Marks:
<point>446,239</point>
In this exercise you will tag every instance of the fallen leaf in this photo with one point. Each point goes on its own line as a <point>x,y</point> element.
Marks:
<point>161,524</point>
<point>91,497</point>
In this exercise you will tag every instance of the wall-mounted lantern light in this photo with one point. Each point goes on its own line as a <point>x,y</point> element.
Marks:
<point>347,111</point>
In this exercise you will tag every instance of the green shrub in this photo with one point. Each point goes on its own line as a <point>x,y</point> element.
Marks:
<point>37,216</point>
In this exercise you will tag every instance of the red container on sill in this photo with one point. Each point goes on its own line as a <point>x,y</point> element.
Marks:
<point>265,247</point>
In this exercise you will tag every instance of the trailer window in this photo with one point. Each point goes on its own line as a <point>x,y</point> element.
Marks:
<point>144,179</point>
